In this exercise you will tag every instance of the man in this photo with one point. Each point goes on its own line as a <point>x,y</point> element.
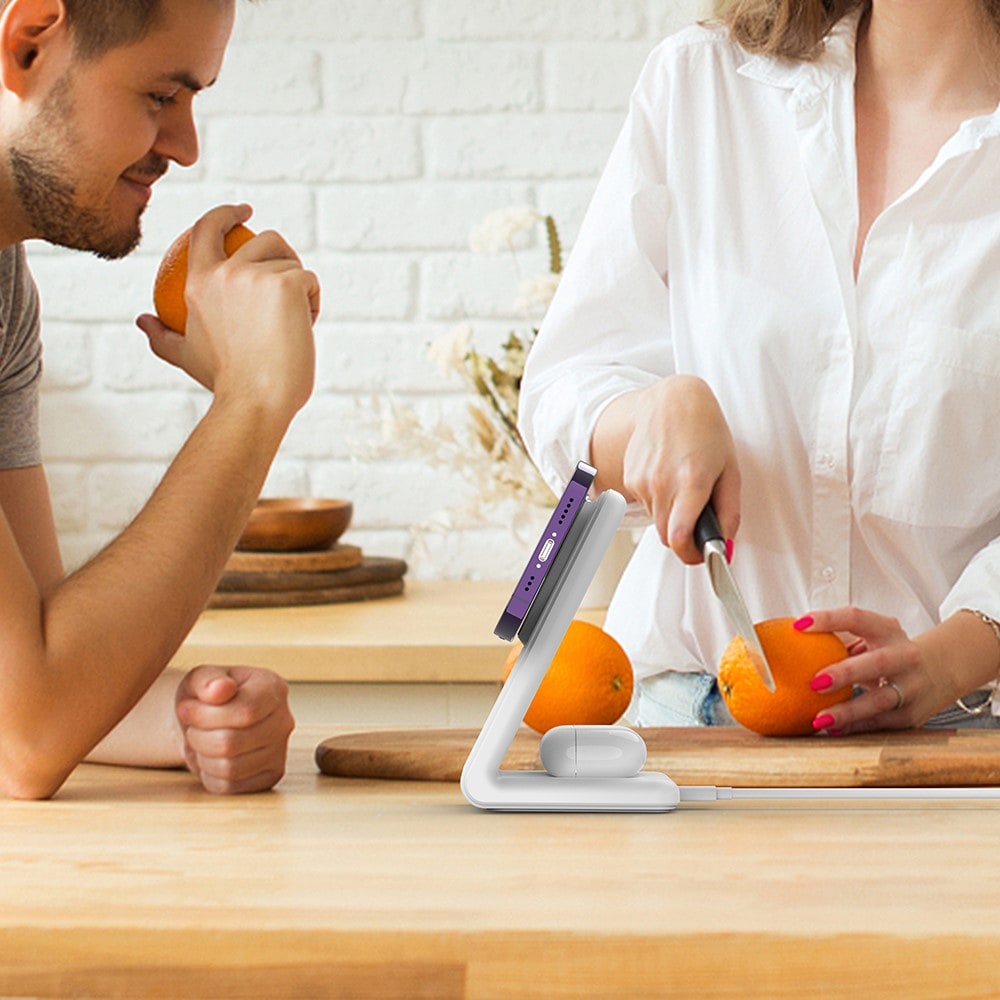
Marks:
<point>95,102</point>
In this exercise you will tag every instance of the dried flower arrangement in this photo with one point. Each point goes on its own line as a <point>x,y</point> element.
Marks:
<point>489,451</point>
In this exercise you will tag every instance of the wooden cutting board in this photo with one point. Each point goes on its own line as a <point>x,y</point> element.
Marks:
<point>373,578</point>
<point>333,558</point>
<point>699,756</point>
<point>370,569</point>
<point>301,598</point>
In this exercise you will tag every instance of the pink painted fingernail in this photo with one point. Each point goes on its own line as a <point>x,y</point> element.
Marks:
<point>821,683</point>
<point>822,721</point>
<point>806,621</point>
<point>729,550</point>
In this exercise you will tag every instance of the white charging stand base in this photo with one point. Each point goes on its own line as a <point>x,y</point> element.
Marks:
<point>484,784</point>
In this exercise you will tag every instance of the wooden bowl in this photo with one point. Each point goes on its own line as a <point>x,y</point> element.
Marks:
<point>295,524</point>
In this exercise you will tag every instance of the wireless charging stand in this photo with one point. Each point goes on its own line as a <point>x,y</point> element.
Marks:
<point>484,784</point>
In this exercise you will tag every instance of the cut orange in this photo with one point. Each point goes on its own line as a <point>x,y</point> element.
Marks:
<point>171,277</point>
<point>588,683</point>
<point>794,657</point>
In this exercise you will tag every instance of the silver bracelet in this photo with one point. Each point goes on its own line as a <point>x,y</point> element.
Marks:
<point>995,625</point>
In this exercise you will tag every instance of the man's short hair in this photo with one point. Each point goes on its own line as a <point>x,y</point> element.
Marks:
<point>101,25</point>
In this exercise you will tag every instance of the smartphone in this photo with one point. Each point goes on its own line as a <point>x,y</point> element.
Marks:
<point>546,549</point>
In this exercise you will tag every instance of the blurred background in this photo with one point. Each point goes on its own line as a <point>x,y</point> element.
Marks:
<point>377,136</point>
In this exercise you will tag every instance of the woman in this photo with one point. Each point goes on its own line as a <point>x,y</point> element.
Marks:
<point>784,299</point>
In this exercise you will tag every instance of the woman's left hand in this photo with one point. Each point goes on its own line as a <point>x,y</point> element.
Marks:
<point>899,687</point>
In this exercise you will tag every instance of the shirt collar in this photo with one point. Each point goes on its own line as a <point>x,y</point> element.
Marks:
<point>809,78</point>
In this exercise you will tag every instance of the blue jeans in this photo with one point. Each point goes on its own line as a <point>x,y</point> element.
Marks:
<point>674,698</point>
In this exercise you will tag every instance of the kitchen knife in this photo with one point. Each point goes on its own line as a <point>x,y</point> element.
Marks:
<point>708,538</point>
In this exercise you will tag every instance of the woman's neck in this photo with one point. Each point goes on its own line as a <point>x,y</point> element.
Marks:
<point>941,54</point>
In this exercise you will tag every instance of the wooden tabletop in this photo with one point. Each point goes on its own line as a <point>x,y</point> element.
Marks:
<point>135,883</point>
<point>437,631</point>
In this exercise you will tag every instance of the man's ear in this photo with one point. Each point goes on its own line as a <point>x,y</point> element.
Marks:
<point>29,31</point>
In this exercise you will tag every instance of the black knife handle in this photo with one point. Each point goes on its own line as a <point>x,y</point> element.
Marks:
<point>707,528</point>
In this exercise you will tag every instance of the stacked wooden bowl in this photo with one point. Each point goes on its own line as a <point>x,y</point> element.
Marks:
<point>290,553</point>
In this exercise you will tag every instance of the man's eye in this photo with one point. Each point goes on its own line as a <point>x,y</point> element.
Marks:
<point>162,100</point>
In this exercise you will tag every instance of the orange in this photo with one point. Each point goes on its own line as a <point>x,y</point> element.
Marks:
<point>168,289</point>
<point>794,657</point>
<point>588,683</point>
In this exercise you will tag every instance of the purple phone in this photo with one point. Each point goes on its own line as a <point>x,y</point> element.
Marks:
<point>547,548</point>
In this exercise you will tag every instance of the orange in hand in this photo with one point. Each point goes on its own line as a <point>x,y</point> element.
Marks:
<point>588,683</point>
<point>794,657</point>
<point>168,289</point>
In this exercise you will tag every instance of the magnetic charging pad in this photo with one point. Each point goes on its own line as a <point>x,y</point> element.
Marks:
<point>484,784</point>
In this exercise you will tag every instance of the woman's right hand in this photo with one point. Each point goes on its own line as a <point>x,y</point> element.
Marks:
<point>676,453</point>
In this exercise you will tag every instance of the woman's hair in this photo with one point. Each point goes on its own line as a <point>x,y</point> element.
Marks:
<point>795,29</point>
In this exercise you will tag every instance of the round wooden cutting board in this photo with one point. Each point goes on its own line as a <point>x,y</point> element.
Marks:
<point>335,557</point>
<point>372,578</point>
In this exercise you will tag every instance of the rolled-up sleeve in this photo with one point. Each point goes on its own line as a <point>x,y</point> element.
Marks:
<point>607,331</point>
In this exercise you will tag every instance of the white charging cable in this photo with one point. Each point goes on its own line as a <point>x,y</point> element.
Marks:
<point>711,793</point>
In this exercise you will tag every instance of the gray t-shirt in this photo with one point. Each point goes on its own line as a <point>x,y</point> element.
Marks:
<point>20,362</point>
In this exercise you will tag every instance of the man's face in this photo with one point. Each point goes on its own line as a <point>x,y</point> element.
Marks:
<point>106,130</point>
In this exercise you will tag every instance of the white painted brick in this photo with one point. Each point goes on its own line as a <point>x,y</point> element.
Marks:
<point>86,426</point>
<point>68,488</point>
<point>327,20</point>
<point>78,287</point>
<point>668,16</point>
<point>287,477</point>
<point>125,364</point>
<point>424,77</point>
<point>371,357</point>
<point>118,491</point>
<point>315,149</point>
<point>458,286</point>
<point>386,495</point>
<point>551,19</point>
<point>66,358</point>
<point>326,428</point>
<point>596,76</point>
<point>366,286</point>
<point>270,79</point>
<point>412,215</point>
<point>520,146</point>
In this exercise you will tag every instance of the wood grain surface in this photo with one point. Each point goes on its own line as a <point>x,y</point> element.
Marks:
<point>371,569</point>
<point>335,557</point>
<point>297,598</point>
<point>697,756</point>
<point>136,883</point>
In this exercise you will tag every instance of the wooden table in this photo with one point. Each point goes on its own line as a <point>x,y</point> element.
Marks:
<point>437,631</point>
<point>428,657</point>
<point>135,883</point>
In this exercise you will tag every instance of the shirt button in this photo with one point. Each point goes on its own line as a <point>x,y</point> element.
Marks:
<point>826,461</point>
<point>828,574</point>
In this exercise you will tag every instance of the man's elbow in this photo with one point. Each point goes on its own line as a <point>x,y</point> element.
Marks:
<point>31,775</point>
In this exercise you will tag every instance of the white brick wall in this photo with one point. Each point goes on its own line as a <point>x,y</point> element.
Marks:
<point>374,134</point>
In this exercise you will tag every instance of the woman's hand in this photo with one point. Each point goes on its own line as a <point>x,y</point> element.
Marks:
<point>903,681</point>
<point>675,453</point>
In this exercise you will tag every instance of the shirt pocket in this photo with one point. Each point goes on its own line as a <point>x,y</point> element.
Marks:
<point>938,466</point>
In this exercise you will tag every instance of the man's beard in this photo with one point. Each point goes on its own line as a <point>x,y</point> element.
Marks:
<point>48,199</point>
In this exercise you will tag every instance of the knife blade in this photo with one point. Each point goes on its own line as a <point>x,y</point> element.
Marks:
<point>708,537</point>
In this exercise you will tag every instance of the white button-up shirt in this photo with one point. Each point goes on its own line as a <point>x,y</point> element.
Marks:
<point>866,413</point>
